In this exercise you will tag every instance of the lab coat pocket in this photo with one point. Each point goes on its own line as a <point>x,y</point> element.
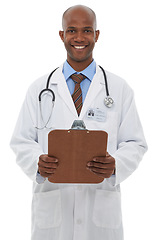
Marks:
<point>107,209</point>
<point>47,209</point>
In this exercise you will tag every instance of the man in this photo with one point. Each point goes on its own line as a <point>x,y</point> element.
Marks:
<point>71,211</point>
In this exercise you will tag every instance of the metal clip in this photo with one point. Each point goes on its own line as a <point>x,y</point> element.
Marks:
<point>78,125</point>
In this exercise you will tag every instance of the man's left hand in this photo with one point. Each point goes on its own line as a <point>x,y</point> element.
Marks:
<point>102,166</point>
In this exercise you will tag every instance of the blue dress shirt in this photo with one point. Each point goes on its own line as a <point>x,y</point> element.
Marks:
<point>89,72</point>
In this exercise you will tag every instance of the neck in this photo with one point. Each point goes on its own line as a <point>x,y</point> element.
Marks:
<point>79,66</point>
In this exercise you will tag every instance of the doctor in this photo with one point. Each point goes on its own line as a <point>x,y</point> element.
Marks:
<point>87,211</point>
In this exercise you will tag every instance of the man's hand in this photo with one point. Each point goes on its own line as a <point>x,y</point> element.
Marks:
<point>102,166</point>
<point>47,165</point>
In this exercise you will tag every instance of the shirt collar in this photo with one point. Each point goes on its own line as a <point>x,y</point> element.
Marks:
<point>89,72</point>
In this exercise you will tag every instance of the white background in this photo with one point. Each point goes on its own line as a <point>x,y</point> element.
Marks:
<point>30,47</point>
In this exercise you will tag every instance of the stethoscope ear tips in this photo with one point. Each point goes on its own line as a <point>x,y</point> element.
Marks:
<point>108,101</point>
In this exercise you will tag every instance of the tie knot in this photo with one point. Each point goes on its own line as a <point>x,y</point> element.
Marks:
<point>77,78</point>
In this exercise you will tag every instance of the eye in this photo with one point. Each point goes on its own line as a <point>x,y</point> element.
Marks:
<point>71,31</point>
<point>87,31</point>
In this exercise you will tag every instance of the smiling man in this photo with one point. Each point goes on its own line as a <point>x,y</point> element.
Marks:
<point>78,211</point>
<point>79,36</point>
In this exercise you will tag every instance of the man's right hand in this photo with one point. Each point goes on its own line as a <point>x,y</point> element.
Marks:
<point>47,165</point>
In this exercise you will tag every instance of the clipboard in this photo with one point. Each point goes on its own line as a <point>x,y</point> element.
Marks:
<point>73,149</point>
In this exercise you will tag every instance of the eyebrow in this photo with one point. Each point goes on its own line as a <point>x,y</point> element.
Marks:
<point>71,27</point>
<point>83,27</point>
<point>88,27</point>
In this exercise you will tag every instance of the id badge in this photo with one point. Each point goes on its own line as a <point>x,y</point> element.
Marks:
<point>96,114</point>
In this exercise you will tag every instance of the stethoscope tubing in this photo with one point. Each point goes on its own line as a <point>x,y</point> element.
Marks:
<point>108,101</point>
<point>106,82</point>
<point>50,75</point>
<point>53,95</point>
<point>47,87</point>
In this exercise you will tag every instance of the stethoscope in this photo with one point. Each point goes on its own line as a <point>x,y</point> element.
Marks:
<point>108,101</point>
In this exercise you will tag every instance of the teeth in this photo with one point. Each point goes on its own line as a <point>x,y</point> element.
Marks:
<point>79,47</point>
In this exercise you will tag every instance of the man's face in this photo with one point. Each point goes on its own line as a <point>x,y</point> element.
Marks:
<point>79,35</point>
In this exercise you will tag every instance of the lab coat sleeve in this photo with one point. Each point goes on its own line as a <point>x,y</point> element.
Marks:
<point>24,141</point>
<point>131,141</point>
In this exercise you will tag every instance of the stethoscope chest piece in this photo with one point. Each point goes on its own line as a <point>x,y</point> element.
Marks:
<point>108,101</point>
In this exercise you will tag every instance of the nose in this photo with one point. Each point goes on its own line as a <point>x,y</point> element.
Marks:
<point>79,37</point>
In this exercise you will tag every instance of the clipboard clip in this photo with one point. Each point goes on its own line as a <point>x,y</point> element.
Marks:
<point>78,125</point>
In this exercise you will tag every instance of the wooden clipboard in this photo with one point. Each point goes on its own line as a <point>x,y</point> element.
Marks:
<point>73,149</point>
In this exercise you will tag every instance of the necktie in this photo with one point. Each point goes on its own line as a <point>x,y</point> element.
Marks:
<point>77,94</point>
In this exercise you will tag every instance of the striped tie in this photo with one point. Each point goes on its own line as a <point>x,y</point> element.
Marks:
<point>77,94</point>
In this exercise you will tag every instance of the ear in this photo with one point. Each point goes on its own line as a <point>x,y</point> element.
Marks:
<point>97,32</point>
<point>61,34</point>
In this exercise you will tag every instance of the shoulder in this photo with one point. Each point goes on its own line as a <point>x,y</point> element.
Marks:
<point>118,87</point>
<point>39,83</point>
<point>35,88</point>
<point>111,77</point>
<point>115,82</point>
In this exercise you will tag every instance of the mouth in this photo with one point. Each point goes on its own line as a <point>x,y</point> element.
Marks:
<point>77,47</point>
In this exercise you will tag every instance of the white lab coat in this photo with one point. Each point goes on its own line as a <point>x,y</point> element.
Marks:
<point>76,211</point>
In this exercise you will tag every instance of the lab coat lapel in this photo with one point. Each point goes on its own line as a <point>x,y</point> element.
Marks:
<point>63,91</point>
<point>94,89</point>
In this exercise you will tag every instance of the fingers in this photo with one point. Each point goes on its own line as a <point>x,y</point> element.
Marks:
<point>103,170</point>
<point>106,174</point>
<point>46,158</point>
<point>46,173</point>
<point>102,166</point>
<point>105,159</point>
<point>47,165</point>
